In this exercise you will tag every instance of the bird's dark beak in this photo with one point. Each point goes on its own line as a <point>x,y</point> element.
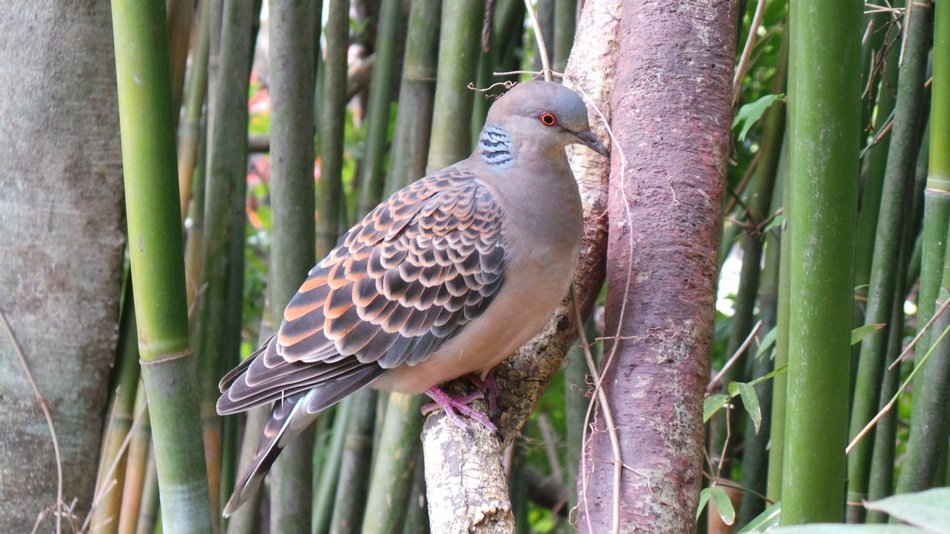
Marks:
<point>588,139</point>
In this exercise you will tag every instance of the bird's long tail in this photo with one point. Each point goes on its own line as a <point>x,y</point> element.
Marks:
<point>288,418</point>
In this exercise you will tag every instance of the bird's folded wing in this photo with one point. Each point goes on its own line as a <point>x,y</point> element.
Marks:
<point>408,277</point>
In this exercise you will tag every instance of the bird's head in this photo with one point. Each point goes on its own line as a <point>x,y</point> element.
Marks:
<point>548,113</point>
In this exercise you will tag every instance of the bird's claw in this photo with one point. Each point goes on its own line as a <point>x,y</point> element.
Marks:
<point>454,406</point>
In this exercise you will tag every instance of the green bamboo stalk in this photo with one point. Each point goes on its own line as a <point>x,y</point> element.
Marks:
<point>757,201</point>
<point>457,67</point>
<point>481,103</point>
<point>148,516</point>
<point>565,24</point>
<point>507,23</point>
<point>229,454</point>
<point>923,467</point>
<point>913,272</point>
<point>131,489</point>
<point>119,419</point>
<point>894,212</point>
<point>871,58</point>
<point>154,220</point>
<point>518,490</point>
<point>372,177</point>
<point>881,479</point>
<point>544,10</point>
<point>245,520</point>
<point>382,401</point>
<point>292,202</point>
<point>189,129</point>
<point>317,64</point>
<point>928,432</point>
<point>780,358</point>
<point>330,187</point>
<point>180,14</point>
<point>823,104</point>
<point>195,244</point>
<point>508,30</point>
<point>217,335</point>
<point>417,518</point>
<point>575,402</point>
<point>923,158</point>
<point>933,242</point>
<point>323,426</point>
<point>351,488</point>
<point>325,493</point>
<point>391,483</point>
<point>881,484</point>
<point>755,454</point>
<point>873,166</point>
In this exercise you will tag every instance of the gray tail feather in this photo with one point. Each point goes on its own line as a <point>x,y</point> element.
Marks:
<point>288,418</point>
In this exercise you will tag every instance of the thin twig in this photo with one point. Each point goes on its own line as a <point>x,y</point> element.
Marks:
<point>608,360</point>
<point>735,194</point>
<point>747,51</point>
<point>913,342</point>
<point>534,73</point>
<point>734,358</point>
<point>725,443</point>
<point>608,415</point>
<point>907,13</point>
<point>539,37</point>
<point>550,446</point>
<point>890,404</point>
<point>486,25</point>
<point>507,84</point>
<point>49,422</point>
<point>867,33</point>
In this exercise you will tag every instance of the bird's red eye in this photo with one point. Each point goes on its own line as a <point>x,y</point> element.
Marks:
<point>548,119</point>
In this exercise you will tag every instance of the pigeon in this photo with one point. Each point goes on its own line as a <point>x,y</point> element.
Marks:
<point>445,278</point>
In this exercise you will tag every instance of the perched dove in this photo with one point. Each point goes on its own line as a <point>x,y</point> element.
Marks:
<point>447,277</point>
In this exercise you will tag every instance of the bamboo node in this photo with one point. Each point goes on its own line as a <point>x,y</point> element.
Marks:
<point>166,357</point>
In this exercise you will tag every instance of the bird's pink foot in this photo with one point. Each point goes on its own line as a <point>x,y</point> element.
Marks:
<point>489,386</point>
<point>455,406</point>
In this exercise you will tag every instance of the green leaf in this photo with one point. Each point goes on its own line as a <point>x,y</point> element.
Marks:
<point>723,505</point>
<point>767,519</point>
<point>703,499</point>
<point>750,113</point>
<point>929,510</point>
<point>861,332</point>
<point>750,400</point>
<point>768,341</point>
<point>713,404</point>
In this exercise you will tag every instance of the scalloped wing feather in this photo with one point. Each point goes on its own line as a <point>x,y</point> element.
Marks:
<point>416,270</point>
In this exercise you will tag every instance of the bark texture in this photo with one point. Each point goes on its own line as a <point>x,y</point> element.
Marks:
<point>60,270</point>
<point>671,110</point>
<point>522,379</point>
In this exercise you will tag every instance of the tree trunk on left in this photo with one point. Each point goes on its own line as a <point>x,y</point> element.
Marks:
<point>61,213</point>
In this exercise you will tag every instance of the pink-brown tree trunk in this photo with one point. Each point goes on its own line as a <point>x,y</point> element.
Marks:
<point>671,114</point>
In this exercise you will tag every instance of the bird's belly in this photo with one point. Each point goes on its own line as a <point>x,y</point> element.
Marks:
<point>524,304</point>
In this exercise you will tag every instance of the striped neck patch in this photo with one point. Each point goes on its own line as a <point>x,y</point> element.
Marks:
<point>495,147</point>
